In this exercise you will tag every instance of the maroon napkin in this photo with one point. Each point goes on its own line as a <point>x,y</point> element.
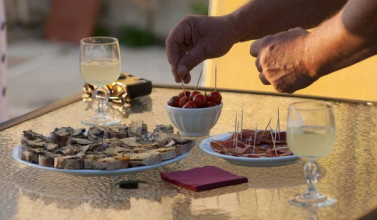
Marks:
<point>203,178</point>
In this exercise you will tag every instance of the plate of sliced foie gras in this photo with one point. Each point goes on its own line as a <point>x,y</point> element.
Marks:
<point>102,150</point>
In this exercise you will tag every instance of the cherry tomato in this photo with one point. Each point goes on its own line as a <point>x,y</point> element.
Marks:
<point>193,94</point>
<point>183,101</point>
<point>190,104</point>
<point>200,100</point>
<point>215,97</point>
<point>174,101</point>
<point>208,98</point>
<point>182,94</point>
<point>210,104</point>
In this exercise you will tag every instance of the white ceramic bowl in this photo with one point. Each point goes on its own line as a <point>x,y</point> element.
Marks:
<point>194,122</point>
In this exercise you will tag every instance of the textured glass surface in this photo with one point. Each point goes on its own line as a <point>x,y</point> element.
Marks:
<point>348,174</point>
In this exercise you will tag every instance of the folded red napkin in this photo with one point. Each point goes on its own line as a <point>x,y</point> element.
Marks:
<point>203,178</point>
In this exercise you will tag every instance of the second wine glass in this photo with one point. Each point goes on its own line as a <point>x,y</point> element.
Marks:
<point>100,65</point>
<point>311,135</point>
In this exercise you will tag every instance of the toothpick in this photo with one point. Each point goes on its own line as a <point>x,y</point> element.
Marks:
<point>241,123</point>
<point>279,123</point>
<point>277,130</point>
<point>183,87</point>
<point>238,126</point>
<point>266,126</point>
<point>215,77</point>
<point>235,127</point>
<point>255,137</point>
<point>273,141</point>
<point>199,79</point>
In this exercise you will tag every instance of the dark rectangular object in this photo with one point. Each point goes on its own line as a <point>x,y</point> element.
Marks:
<point>203,178</point>
<point>136,86</point>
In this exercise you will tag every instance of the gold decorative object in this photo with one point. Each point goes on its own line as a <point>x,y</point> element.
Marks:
<point>118,90</point>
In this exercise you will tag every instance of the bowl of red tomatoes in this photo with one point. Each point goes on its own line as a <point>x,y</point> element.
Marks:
<point>194,114</point>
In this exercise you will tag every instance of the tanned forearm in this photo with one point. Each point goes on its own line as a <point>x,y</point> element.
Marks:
<point>259,18</point>
<point>345,39</point>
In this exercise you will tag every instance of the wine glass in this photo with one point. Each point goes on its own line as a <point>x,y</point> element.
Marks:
<point>311,135</point>
<point>100,66</point>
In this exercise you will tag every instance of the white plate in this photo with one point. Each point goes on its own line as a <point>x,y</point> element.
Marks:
<point>16,154</point>
<point>244,161</point>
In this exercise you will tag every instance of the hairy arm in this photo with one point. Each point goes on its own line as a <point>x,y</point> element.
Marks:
<point>347,38</point>
<point>294,59</point>
<point>259,18</point>
<point>197,38</point>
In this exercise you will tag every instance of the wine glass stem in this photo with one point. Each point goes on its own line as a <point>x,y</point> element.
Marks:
<point>101,108</point>
<point>311,171</point>
<point>101,96</point>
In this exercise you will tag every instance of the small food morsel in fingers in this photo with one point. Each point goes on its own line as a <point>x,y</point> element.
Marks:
<point>195,99</point>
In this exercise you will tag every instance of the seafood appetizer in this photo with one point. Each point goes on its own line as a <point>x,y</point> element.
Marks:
<point>104,147</point>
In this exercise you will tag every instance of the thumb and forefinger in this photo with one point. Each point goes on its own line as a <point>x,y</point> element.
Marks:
<point>190,60</point>
<point>181,61</point>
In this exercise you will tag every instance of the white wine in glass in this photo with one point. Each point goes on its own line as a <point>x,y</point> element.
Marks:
<point>100,65</point>
<point>311,135</point>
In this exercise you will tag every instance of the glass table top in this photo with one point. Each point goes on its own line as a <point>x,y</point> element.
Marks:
<point>348,174</point>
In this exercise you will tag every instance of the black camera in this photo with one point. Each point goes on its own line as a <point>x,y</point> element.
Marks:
<point>126,87</point>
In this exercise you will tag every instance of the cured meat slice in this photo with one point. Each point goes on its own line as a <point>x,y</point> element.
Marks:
<point>264,145</point>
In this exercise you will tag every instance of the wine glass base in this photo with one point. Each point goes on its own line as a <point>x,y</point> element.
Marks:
<point>312,201</point>
<point>100,121</point>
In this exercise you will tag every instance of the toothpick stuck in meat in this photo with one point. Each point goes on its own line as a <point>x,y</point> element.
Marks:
<point>255,137</point>
<point>235,128</point>
<point>266,127</point>
<point>241,122</point>
<point>200,76</point>
<point>277,130</point>
<point>238,126</point>
<point>273,140</point>
<point>278,124</point>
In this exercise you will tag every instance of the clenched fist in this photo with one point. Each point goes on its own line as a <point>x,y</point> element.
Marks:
<point>281,61</point>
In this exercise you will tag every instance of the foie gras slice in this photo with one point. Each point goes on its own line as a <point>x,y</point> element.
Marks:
<point>167,153</point>
<point>108,163</point>
<point>145,159</point>
<point>69,162</point>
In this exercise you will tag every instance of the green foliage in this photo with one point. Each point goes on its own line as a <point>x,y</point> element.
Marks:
<point>100,31</point>
<point>200,8</point>
<point>133,36</point>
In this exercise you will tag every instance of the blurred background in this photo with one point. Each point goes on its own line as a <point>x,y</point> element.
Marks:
<point>43,50</point>
<point>43,43</point>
